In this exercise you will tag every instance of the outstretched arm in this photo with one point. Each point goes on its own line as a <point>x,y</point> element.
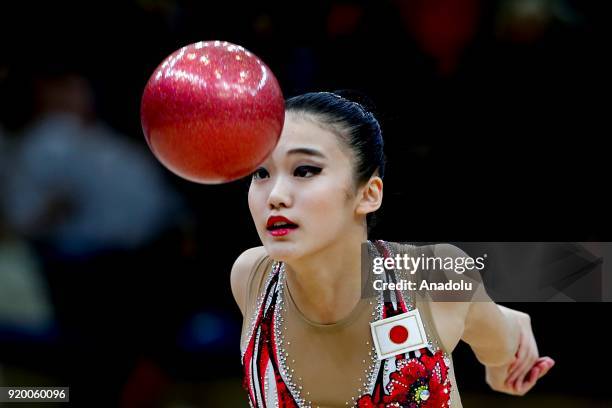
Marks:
<point>501,338</point>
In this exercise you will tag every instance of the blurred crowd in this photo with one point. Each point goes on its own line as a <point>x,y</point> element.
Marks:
<point>115,272</point>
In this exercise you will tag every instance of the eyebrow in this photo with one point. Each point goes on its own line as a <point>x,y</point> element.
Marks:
<point>307,151</point>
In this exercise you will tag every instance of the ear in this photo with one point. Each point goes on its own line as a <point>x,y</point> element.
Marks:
<point>370,196</point>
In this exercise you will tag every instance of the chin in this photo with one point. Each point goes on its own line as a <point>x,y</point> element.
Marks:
<point>284,251</point>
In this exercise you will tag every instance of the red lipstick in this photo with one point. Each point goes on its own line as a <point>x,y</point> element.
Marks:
<point>283,225</point>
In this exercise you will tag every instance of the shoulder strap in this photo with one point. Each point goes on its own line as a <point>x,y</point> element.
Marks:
<point>396,301</point>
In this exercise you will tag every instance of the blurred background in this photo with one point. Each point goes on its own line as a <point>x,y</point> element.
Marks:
<point>114,273</point>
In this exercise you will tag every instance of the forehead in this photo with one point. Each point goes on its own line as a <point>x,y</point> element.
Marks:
<point>301,131</point>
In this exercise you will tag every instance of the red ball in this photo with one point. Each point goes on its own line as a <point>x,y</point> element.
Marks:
<point>212,112</point>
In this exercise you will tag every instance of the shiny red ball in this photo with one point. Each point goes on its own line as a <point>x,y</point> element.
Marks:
<point>212,112</point>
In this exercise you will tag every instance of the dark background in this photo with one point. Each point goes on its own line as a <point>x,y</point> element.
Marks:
<point>494,116</point>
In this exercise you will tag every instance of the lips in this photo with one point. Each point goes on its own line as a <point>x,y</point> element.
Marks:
<point>279,222</point>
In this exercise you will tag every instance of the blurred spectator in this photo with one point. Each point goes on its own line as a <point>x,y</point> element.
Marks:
<point>98,209</point>
<point>25,305</point>
<point>26,310</point>
<point>78,185</point>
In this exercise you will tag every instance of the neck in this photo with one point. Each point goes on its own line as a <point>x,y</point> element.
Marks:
<point>326,286</point>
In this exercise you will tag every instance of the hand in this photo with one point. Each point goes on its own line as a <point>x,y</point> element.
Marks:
<point>521,374</point>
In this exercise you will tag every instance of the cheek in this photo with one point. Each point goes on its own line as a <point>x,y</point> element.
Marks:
<point>255,203</point>
<point>327,202</point>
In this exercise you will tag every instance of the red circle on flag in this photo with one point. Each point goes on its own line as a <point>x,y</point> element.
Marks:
<point>398,334</point>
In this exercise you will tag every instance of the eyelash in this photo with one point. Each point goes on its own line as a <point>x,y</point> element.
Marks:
<point>310,169</point>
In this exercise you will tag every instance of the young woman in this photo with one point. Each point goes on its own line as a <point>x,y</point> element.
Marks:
<point>306,338</point>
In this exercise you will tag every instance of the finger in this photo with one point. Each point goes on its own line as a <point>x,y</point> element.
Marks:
<point>532,346</point>
<point>523,367</point>
<point>545,367</point>
<point>522,364</point>
<point>519,385</point>
<point>533,375</point>
<point>543,372</point>
<point>545,362</point>
<point>518,364</point>
<point>530,380</point>
<point>540,368</point>
<point>548,360</point>
<point>532,361</point>
<point>516,355</point>
<point>515,387</point>
<point>524,383</point>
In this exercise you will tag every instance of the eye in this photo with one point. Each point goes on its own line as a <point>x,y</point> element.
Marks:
<point>259,173</point>
<point>302,171</point>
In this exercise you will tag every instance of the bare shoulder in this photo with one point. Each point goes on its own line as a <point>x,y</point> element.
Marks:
<point>448,250</point>
<point>239,276</point>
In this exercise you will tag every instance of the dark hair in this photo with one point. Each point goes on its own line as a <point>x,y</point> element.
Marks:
<point>350,115</point>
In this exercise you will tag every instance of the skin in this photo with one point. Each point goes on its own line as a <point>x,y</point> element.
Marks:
<point>322,256</point>
<point>323,271</point>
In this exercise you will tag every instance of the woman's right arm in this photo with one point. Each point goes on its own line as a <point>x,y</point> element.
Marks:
<point>241,270</point>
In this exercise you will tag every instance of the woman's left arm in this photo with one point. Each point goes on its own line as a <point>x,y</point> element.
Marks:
<point>502,339</point>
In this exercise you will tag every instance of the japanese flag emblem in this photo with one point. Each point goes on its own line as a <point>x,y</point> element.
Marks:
<point>398,334</point>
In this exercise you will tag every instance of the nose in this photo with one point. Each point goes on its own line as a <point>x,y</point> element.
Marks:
<point>280,195</point>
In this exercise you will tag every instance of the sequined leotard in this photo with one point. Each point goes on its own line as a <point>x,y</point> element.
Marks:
<point>336,365</point>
